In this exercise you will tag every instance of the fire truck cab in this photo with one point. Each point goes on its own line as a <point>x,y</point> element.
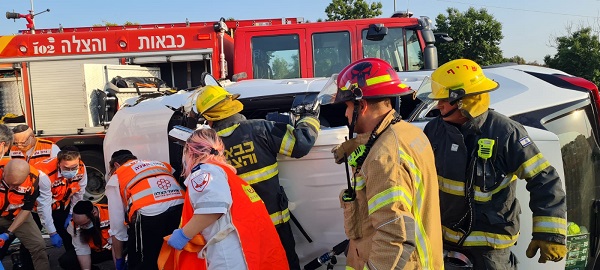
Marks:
<point>321,49</point>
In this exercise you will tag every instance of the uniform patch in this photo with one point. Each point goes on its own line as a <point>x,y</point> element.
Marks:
<point>251,193</point>
<point>525,141</point>
<point>200,182</point>
<point>454,147</point>
<point>164,188</point>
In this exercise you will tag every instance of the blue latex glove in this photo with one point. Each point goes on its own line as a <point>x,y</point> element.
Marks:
<point>56,240</point>
<point>120,264</point>
<point>178,240</point>
<point>68,220</point>
<point>3,239</point>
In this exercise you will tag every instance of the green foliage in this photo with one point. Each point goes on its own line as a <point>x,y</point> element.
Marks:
<point>516,59</point>
<point>284,70</point>
<point>578,53</point>
<point>339,10</point>
<point>476,35</point>
<point>107,23</point>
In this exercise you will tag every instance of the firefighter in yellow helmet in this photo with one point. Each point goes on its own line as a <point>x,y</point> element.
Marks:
<point>252,147</point>
<point>480,154</point>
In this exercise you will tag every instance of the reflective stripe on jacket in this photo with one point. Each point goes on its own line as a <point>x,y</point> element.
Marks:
<point>251,146</point>
<point>259,240</point>
<point>62,188</point>
<point>144,183</point>
<point>41,151</point>
<point>394,222</point>
<point>22,198</point>
<point>495,209</point>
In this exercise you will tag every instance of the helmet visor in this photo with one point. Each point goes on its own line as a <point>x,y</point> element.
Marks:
<point>329,91</point>
<point>431,90</point>
<point>190,104</point>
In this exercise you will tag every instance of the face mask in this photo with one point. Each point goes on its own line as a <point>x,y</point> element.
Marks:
<point>69,174</point>
<point>87,226</point>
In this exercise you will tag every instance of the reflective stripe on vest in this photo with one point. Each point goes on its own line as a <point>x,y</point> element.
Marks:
<point>478,238</point>
<point>280,217</point>
<point>259,175</point>
<point>41,151</point>
<point>288,142</point>
<point>532,167</point>
<point>311,121</point>
<point>552,225</point>
<point>136,189</point>
<point>227,131</point>
<point>458,188</point>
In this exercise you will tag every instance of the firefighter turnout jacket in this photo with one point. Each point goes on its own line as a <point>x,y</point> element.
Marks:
<point>478,185</point>
<point>86,248</point>
<point>13,201</point>
<point>42,150</point>
<point>394,220</point>
<point>251,146</point>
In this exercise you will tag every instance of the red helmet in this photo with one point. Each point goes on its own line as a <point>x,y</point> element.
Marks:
<point>369,78</point>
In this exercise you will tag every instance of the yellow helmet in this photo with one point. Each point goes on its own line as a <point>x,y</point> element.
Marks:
<point>215,103</point>
<point>459,78</point>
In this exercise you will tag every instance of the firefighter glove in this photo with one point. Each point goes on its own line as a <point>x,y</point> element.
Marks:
<point>346,148</point>
<point>178,240</point>
<point>56,240</point>
<point>68,220</point>
<point>3,239</point>
<point>549,251</point>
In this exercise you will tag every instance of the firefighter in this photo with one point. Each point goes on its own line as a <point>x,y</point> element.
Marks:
<point>27,146</point>
<point>391,212</point>
<point>225,210</point>
<point>89,231</point>
<point>144,203</point>
<point>479,156</point>
<point>67,177</point>
<point>18,192</point>
<point>252,147</point>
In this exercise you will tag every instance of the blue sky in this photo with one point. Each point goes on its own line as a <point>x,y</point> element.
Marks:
<point>528,25</point>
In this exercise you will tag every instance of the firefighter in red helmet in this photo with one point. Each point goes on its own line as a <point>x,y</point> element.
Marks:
<point>391,213</point>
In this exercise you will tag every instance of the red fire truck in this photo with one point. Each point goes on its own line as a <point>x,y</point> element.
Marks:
<point>48,79</point>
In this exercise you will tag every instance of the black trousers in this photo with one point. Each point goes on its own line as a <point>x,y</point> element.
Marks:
<point>59,216</point>
<point>289,244</point>
<point>69,261</point>
<point>146,238</point>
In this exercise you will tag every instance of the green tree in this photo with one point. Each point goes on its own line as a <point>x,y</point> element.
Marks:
<point>476,35</point>
<point>516,59</point>
<point>339,10</point>
<point>107,23</point>
<point>578,53</point>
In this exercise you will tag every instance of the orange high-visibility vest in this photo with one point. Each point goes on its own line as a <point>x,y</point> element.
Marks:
<point>62,188</point>
<point>104,227</point>
<point>259,239</point>
<point>12,202</point>
<point>41,150</point>
<point>143,183</point>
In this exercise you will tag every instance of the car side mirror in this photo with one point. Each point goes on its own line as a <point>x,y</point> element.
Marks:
<point>376,32</point>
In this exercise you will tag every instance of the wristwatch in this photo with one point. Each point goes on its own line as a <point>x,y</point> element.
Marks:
<point>11,235</point>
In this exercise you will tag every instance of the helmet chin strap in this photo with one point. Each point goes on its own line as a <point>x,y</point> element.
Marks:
<point>450,112</point>
<point>354,118</point>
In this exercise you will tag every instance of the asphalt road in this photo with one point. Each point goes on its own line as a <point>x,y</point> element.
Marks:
<point>54,254</point>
